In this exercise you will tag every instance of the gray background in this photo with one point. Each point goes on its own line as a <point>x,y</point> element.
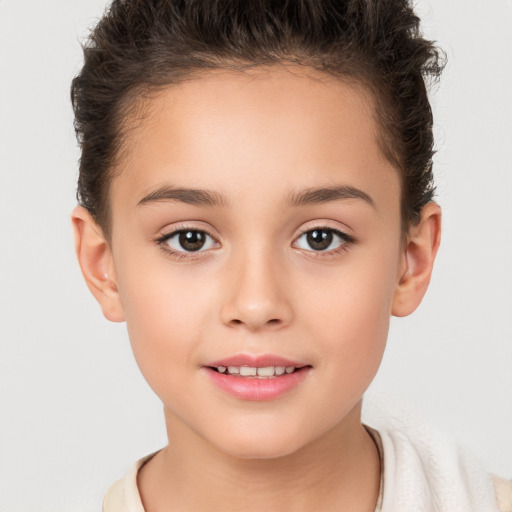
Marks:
<point>75,412</point>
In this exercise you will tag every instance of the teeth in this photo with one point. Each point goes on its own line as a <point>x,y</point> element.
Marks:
<point>246,371</point>
<point>252,371</point>
<point>268,371</point>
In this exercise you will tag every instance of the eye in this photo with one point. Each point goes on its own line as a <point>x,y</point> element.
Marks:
<point>323,240</point>
<point>188,240</point>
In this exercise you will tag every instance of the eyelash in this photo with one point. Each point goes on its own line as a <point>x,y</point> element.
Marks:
<point>347,242</point>
<point>181,255</point>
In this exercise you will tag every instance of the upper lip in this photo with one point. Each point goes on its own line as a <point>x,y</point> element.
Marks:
<point>258,361</point>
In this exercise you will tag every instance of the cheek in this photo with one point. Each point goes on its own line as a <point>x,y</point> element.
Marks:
<point>167,316</point>
<point>348,316</point>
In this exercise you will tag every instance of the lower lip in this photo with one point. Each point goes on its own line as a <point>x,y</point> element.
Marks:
<point>247,388</point>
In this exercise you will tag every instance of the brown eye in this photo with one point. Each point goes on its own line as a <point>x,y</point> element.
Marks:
<point>192,240</point>
<point>319,239</point>
<point>322,239</point>
<point>189,240</point>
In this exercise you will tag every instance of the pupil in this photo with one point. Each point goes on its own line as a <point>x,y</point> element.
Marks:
<point>319,239</point>
<point>192,240</point>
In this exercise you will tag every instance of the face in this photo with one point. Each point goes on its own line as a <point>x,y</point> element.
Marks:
<point>256,230</point>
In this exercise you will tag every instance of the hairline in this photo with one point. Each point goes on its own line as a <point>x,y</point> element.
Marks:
<point>135,105</point>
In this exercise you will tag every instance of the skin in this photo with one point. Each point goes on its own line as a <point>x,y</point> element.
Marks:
<point>258,287</point>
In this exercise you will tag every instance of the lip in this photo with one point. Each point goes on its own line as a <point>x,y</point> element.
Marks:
<point>260,360</point>
<point>253,388</point>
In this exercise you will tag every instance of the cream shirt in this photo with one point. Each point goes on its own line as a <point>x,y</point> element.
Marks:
<point>124,496</point>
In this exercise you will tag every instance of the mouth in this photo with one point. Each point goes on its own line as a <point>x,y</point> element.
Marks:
<point>257,378</point>
<point>258,372</point>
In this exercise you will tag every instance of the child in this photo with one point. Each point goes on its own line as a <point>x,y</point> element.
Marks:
<point>256,201</point>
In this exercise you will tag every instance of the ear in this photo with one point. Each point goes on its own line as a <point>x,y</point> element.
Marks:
<point>95,259</point>
<point>418,260</point>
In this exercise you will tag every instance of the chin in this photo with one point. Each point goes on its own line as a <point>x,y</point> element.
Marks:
<point>250,451</point>
<point>263,443</point>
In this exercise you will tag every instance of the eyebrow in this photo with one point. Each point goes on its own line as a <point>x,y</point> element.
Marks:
<point>191,196</point>
<point>307,197</point>
<point>320,195</point>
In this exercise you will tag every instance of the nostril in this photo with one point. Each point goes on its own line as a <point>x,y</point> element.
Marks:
<point>271,322</point>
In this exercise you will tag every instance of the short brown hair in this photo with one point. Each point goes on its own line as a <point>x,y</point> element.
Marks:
<point>139,45</point>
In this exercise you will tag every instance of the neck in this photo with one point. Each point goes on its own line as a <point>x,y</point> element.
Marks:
<point>339,471</point>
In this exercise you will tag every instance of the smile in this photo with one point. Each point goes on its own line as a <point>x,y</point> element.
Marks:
<point>257,378</point>
<point>265,372</point>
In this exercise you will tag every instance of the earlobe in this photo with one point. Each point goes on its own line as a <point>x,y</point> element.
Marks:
<point>96,262</point>
<point>418,261</point>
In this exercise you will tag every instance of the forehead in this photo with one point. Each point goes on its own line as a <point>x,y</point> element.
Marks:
<point>281,126</point>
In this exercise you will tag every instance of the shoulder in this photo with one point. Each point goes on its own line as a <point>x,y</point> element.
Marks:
<point>503,490</point>
<point>423,464</point>
<point>123,495</point>
<point>114,500</point>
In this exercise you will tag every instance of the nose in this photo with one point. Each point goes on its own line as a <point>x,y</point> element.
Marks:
<point>257,295</point>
